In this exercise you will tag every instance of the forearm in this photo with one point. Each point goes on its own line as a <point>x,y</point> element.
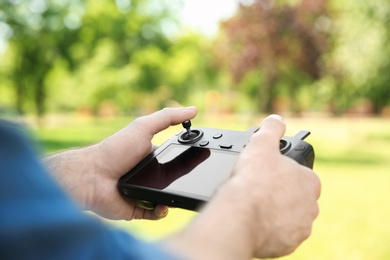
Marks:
<point>73,169</point>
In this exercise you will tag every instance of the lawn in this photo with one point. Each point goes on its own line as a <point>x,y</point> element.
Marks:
<point>352,160</point>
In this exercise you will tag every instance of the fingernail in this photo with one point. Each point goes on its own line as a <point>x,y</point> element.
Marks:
<point>162,213</point>
<point>277,117</point>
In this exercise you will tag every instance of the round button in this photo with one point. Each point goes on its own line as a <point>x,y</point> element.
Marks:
<point>204,143</point>
<point>217,136</point>
<point>300,147</point>
<point>226,146</point>
<point>284,146</point>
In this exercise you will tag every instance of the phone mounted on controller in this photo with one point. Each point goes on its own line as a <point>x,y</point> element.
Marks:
<point>187,169</point>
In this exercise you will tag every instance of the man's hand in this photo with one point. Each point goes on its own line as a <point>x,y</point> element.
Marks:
<point>91,174</point>
<point>286,193</point>
<point>266,209</point>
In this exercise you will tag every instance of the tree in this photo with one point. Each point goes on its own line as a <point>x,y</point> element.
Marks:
<point>40,33</point>
<point>282,44</point>
<point>376,87</point>
<point>92,45</point>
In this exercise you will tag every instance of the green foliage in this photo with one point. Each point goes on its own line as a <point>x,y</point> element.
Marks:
<point>360,59</point>
<point>377,86</point>
<point>336,52</point>
<point>39,33</point>
<point>112,57</point>
<point>85,48</point>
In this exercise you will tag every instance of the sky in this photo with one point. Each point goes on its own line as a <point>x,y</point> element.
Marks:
<point>204,15</point>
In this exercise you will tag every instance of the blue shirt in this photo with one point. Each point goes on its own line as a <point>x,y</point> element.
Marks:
<point>39,221</point>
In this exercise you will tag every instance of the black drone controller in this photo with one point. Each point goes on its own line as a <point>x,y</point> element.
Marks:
<point>188,168</point>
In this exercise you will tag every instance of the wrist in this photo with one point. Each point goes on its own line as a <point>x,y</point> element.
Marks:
<point>88,177</point>
<point>96,176</point>
<point>72,170</point>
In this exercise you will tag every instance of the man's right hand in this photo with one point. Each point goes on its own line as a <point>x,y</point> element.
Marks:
<point>266,209</point>
<point>283,193</point>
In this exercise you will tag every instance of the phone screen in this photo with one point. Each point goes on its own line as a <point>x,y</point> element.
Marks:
<point>185,169</point>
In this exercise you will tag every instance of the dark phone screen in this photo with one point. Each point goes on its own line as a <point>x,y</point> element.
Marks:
<point>185,169</point>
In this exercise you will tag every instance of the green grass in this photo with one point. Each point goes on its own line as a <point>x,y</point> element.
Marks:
<point>352,160</point>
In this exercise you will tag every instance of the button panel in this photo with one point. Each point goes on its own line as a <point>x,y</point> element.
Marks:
<point>228,140</point>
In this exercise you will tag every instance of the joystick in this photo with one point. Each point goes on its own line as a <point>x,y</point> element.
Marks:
<point>187,126</point>
<point>189,136</point>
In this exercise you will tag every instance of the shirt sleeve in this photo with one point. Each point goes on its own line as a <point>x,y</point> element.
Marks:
<point>39,221</point>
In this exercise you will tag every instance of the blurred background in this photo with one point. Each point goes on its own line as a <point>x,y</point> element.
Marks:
<point>76,71</point>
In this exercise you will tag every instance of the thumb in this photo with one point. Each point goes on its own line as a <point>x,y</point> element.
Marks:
<point>271,131</point>
<point>160,120</point>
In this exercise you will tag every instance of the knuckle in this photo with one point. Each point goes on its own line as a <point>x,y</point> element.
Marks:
<point>316,185</point>
<point>140,120</point>
<point>316,211</point>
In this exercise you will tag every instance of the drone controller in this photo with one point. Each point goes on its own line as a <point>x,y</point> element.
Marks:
<point>187,169</point>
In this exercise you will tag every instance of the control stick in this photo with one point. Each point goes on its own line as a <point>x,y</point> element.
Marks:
<point>187,126</point>
<point>190,136</point>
